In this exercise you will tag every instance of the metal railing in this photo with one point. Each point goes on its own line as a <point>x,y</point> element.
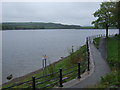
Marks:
<point>48,81</point>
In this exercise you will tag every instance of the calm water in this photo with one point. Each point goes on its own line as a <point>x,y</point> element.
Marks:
<point>22,50</point>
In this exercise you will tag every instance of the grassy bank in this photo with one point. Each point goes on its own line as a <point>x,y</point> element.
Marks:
<point>65,63</point>
<point>112,79</point>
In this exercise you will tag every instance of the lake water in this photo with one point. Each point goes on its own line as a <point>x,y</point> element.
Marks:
<point>22,50</point>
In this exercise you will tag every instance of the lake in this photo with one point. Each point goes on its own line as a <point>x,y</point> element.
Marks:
<point>22,50</point>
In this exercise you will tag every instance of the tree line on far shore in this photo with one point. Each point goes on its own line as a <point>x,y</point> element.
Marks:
<point>36,25</point>
<point>40,25</point>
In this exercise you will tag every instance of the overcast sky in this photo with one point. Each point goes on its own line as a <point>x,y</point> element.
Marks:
<point>78,13</point>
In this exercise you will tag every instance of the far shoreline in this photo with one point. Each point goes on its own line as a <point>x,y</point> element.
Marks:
<point>56,29</point>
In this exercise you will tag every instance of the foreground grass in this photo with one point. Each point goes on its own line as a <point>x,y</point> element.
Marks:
<point>112,79</point>
<point>70,61</point>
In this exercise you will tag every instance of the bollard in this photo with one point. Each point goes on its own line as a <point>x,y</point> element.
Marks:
<point>33,83</point>
<point>79,75</point>
<point>60,82</point>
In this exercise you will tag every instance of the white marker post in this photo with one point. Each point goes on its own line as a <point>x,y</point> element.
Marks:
<point>44,58</point>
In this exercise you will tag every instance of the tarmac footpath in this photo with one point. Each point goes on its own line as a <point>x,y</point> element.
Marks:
<point>98,68</point>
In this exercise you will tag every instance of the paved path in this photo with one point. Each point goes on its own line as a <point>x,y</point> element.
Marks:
<point>101,68</point>
<point>102,48</point>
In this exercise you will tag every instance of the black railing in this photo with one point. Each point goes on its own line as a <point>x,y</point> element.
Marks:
<point>63,75</point>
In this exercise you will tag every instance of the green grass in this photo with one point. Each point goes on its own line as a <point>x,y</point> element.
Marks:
<point>112,79</point>
<point>112,50</point>
<point>71,60</point>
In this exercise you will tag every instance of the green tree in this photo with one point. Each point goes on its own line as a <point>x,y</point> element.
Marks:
<point>118,6</point>
<point>116,13</point>
<point>105,17</point>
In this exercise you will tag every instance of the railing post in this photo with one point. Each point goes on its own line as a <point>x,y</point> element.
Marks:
<point>88,53</point>
<point>88,61</point>
<point>87,43</point>
<point>33,83</point>
<point>60,82</point>
<point>79,76</point>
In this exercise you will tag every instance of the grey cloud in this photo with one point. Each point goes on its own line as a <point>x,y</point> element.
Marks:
<point>63,12</point>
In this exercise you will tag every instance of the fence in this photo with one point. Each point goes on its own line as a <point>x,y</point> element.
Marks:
<point>59,77</point>
<point>53,79</point>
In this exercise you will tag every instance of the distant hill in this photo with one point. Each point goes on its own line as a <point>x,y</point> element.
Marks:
<point>37,25</point>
